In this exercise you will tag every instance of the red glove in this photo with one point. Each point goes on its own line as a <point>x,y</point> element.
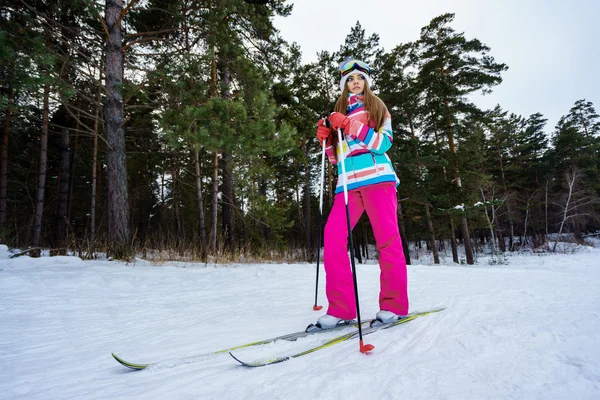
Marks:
<point>339,120</point>
<point>323,133</point>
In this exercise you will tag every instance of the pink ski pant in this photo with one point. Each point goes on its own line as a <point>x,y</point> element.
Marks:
<point>380,203</point>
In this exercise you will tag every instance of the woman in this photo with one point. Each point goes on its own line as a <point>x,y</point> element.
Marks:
<point>367,127</point>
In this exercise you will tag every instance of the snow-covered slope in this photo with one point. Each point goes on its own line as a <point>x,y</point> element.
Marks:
<point>526,330</point>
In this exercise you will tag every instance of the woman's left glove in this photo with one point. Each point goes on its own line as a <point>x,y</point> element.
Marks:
<point>339,120</point>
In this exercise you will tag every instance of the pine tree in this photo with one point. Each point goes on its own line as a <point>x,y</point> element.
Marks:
<point>305,95</point>
<point>574,161</point>
<point>450,68</point>
<point>358,45</point>
<point>114,114</point>
<point>24,55</point>
<point>530,173</point>
<point>584,118</point>
<point>400,93</point>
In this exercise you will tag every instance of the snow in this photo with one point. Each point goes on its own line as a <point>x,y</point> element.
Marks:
<point>525,329</point>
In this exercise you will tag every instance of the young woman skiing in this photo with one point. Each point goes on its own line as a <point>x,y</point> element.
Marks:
<point>371,181</point>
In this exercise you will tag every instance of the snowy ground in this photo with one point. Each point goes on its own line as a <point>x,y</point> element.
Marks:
<point>526,330</point>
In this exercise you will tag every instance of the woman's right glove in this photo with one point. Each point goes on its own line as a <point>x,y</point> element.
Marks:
<point>338,120</point>
<point>324,133</point>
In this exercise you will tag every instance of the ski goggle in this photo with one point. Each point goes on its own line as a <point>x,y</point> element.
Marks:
<point>352,65</point>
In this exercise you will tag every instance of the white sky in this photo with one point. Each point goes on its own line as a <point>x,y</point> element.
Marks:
<point>550,46</point>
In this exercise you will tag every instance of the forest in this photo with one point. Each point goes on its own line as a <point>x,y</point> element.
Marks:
<point>185,130</point>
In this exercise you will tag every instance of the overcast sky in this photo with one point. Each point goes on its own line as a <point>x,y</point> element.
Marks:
<point>552,47</point>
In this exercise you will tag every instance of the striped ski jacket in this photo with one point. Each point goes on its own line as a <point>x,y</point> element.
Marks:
<point>366,161</point>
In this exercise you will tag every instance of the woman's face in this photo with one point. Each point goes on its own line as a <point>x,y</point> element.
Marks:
<point>356,83</point>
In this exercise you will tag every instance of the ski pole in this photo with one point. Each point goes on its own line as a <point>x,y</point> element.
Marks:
<point>320,224</point>
<point>364,348</point>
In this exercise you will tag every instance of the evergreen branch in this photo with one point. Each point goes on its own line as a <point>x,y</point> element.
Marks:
<point>154,32</point>
<point>52,24</point>
<point>61,99</point>
<point>49,21</point>
<point>123,12</point>
<point>97,14</point>
<point>74,116</point>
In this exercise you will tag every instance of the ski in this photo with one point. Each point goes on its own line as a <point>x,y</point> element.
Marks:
<point>338,339</point>
<point>186,360</point>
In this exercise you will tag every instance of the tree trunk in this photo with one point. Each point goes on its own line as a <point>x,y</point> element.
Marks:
<point>500,237</point>
<point>356,241</point>
<point>453,242</point>
<point>571,179</point>
<point>116,166</point>
<point>94,171</point>
<point>490,221</point>
<point>202,225</point>
<point>307,214</point>
<point>215,210</point>
<point>72,160</point>
<point>227,202</point>
<point>403,234</point>
<point>464,227</point>
<point>41,186</point>
<point>457,181</point>
<point>436,256</point>
<point>4,164</point>
<point>298,205</point>
<point>264,229</point>
<point>227,195</point>
<point>61,221</point>
<point>366,241</point>
<point>546,210</point>
<point>175,195</point>
<point>526,224</point>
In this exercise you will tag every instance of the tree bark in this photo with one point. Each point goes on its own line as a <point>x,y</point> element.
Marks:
<point>175,196</point>
<point>41,186</point>
<point>307,214</point>
<point>116,166</point>
<point>403,234</point>
<point>500,236</point>
<point>215,207</point>
<point>453,242</point>
<point>464,227</point>
<point>61,220</point>
<point>227,202</point>
<point>202,225</point>
<point>94,170</point>
<point>72,160</point>
<point>298,205</point>
<point>4,164</point>
<point>436,256</point>
<point>227,194</point>
<point>264,229</point>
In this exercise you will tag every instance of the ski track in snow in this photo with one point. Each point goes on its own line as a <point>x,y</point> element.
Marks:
<point>526,330</point>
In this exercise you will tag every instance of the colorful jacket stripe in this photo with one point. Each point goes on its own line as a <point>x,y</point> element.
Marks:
<point>366,161</point>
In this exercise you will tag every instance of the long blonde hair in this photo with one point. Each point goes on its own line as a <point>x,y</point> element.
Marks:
<point>373,105</point>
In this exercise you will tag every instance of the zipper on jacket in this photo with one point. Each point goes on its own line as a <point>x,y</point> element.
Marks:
<point>375,163</point>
